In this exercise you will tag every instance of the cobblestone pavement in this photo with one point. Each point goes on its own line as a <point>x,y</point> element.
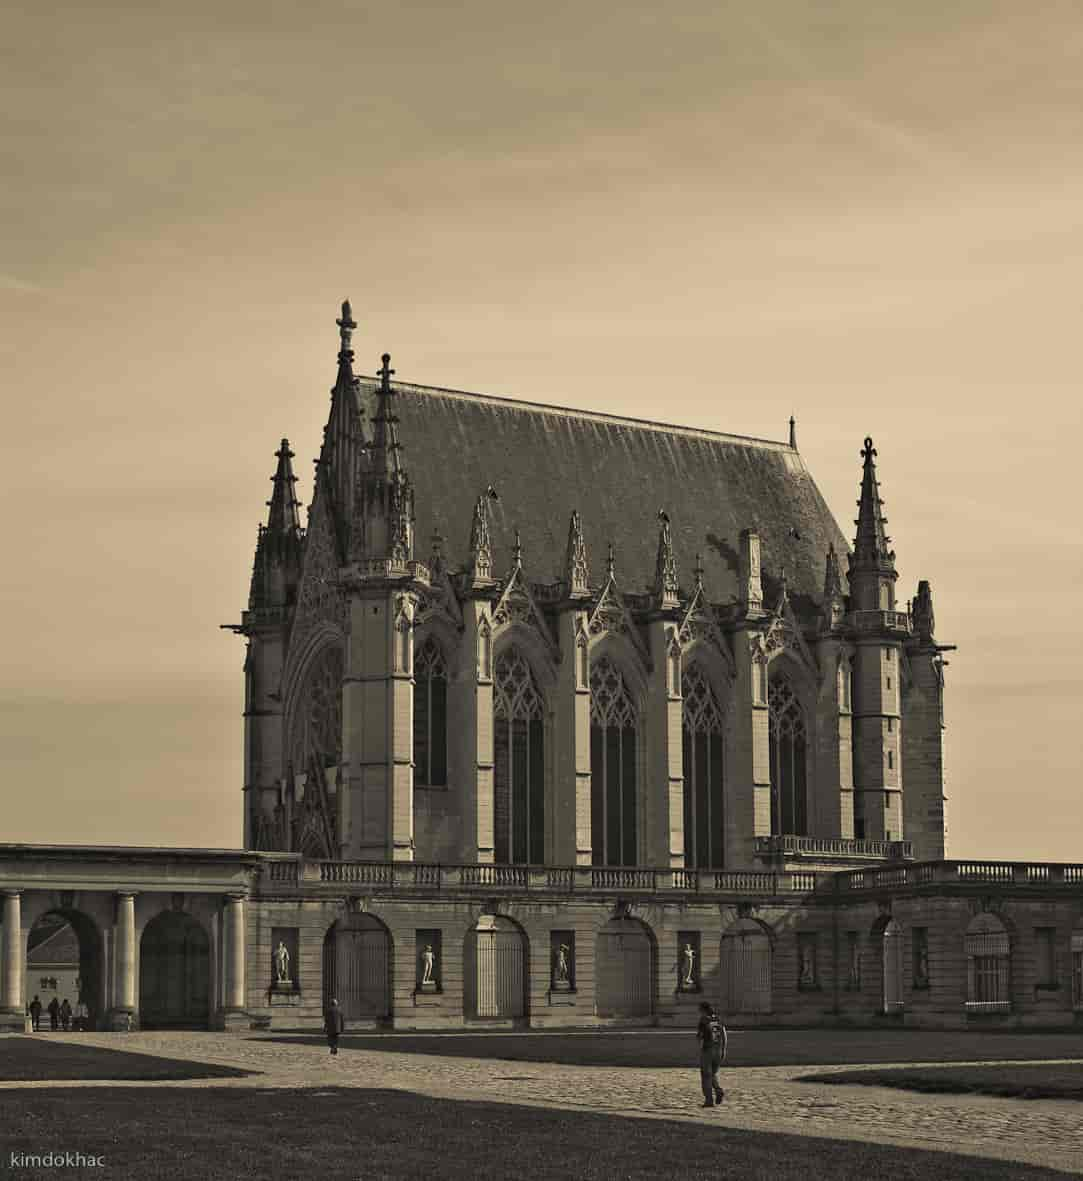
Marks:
<point>1039,1131</point>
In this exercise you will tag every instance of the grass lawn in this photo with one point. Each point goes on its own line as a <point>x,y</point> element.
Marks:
<point>23,1059</point>
<point>1022,1081</point>
<point>211,1133</point>
<point>750,1047</point>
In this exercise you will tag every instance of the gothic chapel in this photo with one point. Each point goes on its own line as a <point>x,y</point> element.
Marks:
<point>560,718</point>
<point>519,635</point>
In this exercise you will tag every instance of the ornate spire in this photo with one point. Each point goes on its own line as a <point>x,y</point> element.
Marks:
<point>277,566</point>
<point>436,558</point>
<point>576,570</point>
<point>665,566</point>
<point>697,574</point>
<point>480,569</point>
<point>517,552</point>
<point>610,565</point>
<point>343,437</point>
<point>384,452</point>
<point>285,512</point>
<point>871,544</point>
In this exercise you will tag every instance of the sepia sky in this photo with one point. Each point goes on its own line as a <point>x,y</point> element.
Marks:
<point>713,213</point>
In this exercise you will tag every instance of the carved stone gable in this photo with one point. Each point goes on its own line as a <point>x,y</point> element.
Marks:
<point>516,605</point>
<point>699,623</point>
<point>611,616</point>
<point>440,600</point>
<point>783,633</point>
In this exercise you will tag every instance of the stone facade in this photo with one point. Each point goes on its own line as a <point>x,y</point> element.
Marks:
<point>624,739</point>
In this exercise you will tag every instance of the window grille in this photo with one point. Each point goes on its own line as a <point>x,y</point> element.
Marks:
<point>613,757</point>
<point>518,763</point>
<point>788,760</point>
<point>430,716</point>
<point>988,958</point>
<point>703,772</point>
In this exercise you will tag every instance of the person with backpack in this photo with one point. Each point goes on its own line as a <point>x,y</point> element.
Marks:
<point>712,1052</point>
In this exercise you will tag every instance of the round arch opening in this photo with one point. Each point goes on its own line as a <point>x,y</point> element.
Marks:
<point>357,968</point>
<point>624,967</point>
<point>495,970</point>
<point>174,973</point>
<point>64,962</point>
<point>746,969</point>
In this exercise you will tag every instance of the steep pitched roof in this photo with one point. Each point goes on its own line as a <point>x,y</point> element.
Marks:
<point>546,461</point>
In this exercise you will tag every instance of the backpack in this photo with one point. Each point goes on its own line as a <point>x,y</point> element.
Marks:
<point>714,1031</point>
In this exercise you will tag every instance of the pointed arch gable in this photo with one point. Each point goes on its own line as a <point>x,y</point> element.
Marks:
<point>624,656</point>
<point>535,650</point>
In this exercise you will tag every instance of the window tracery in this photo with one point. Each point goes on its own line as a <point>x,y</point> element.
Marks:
<point>702,733</point>
<point>317,727</point>
<point>613,759</point>
<point>518,762</point>
<point>789,742</point>
<point>430,716</point>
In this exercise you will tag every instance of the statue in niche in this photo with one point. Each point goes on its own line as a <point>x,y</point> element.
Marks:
<point>688,969</point>
<point>921,976</point>
<point>282,964</point>
<point>428,965</point>
<point>808,968</point>
<point>855,965</point>
<point>562,964</point>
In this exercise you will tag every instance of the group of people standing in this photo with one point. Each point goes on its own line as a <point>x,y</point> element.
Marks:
<point>61,1014</point>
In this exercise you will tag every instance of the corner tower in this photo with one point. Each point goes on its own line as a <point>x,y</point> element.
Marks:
<point>381,583</point>
<point>877,632</point>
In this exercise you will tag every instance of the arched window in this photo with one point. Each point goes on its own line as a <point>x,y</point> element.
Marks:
<point>613,725</point>
<point>788,770</point>
<point>988,966</point>
<point>317,720</point>
<point>518,763</point>
<point>702,731</point>
<point>430,716</point>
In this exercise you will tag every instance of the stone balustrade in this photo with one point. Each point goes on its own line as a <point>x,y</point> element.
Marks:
<point>797,846</point>
<point>880,621</point>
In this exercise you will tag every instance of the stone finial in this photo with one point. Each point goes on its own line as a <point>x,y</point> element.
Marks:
<point>665,567</point>
<point>834,605</point>
<point>871,542</point>
<point>793,432</point>
<point>347,325</point>
<point>436,556</point>
<point>517,552</point>
<point>697,573</point>
<point>610,565</point>
<point>576,570</point>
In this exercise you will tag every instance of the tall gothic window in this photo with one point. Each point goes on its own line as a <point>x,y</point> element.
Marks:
<point>789,814</point>
<point>518,763</point>
<point>317,720</point>
<point>702,732</point>
<point>613,744</point>
<point>430,716</point>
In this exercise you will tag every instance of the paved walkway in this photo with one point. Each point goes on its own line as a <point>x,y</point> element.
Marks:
<point>1041,1131</point>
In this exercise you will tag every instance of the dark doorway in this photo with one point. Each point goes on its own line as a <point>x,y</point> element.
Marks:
<point>174,973</point>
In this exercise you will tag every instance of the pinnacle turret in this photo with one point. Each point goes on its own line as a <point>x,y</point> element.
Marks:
<point>343,437</point>
<point>834,604</point>
<point>576,570</point>
<point>384,451</point>
<point>872,563</point>
<point>277,566</point>
<point>665,566</point>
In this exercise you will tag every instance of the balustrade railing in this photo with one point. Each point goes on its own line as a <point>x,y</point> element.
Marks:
<point>791,845</point>
<point>874,621</point>
<point>292,872</point>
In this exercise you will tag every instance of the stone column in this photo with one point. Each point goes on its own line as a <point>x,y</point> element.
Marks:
<point>664,819</point>
<point>12,1009</point>
<point>571,843</point>
<point>123,1009</point>
<point>477,736</point>
<point>233,936</point>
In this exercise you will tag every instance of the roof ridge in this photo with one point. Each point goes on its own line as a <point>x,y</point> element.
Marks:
<point>590,415</point>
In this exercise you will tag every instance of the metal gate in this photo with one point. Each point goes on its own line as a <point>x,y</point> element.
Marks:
<point>892,961</point>
<point>355,971</point>
<point>493,970</point>
<point>746,970</point>
<point>623,972</point>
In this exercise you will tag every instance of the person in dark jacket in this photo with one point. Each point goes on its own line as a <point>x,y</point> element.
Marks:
<point>65,1014</point>
<point>54,1013</point>
<point>334,1024</point>
<point>35,1013</point>
<point>713,1039</point>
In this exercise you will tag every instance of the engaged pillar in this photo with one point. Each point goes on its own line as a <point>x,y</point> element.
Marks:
<point>12,1010</point>
<point>232,1014</point>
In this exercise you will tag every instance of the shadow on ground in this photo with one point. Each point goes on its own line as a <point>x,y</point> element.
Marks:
<point>25,1059</point>
<point>223,1133</point>
<point>752,1047</point>
<point>1025,1080</point>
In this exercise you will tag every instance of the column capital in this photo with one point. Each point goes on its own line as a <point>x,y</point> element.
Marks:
<point>236,896</point>
<point>11,893</point>
<point>125,893</point>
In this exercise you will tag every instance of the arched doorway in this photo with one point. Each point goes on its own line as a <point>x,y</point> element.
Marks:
<point>495,972</point>
<point>746,969</point>
<point>64,960</point>
<point>174,973</point>
<point>891,961</point>
<point>624,970</point>
<point>356,958</point>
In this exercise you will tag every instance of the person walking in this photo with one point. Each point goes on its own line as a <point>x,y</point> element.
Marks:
<point>334,1023</point>
<point>65,1015</point>
<point>54,1013</point>
<point>35,1013</point>
<point>713,1040</point>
